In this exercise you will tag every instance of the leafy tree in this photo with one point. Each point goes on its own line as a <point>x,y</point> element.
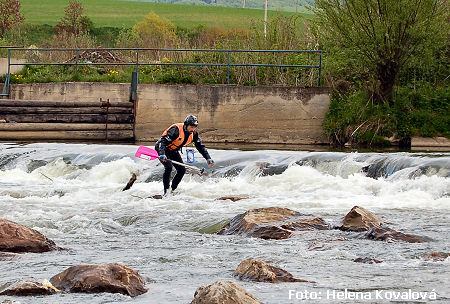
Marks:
<point>73,21</point>
<point>10,15</point>
<point>381,35</point>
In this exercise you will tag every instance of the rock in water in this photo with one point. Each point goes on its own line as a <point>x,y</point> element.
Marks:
<point>113,278</point>
<point>436,256</point>
<point>233,198</point>
<point>18,238</point>
<point>367,261</point>
<point>223,292</point>
<point>360,219</point>
<point>272,223</point>
<point>388,234</point>
<point>260,271</point>
<point>29,288</point>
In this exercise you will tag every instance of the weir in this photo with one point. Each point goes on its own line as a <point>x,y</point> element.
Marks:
<point>227,113</point>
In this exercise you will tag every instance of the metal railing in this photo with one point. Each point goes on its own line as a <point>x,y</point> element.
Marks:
<point>138,59</point>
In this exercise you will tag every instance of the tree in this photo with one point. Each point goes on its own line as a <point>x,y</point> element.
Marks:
<point>10,15</point>
<point>73,21</point>
<point>381,34</point>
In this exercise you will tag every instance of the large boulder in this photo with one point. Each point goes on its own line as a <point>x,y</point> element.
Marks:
<point>390,235</point>
<point>260,271</point>
<point>360,219</point>
<point>113,278</point>
<point>29,288</point>
<point>223,292</point>
<point>18,238</point>
<point>272,223</point>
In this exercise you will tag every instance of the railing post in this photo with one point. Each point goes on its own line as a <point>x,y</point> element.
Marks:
<point>228,67</point>
<point>320,68</point>
<point>133,91</point>
<point>77,56</point>
<point>6,86</point>
<point>134,80</point>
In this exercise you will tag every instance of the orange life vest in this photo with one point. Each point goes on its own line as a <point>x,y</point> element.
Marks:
<point>178,142</point>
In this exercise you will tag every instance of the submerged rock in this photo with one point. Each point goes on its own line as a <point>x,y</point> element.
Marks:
<point>436,256</point>
<point>5,256</point>
<point>29,288</point>
<point>367,260</point>
<point>272,223</point>
<point>260,271</point>
<point>233,198</point>
<point>360,219</point>
<point>18,238</point>
<point>327,245</point>
<point>113,278</point>
<point>223,292</point>
<point>388,234</point>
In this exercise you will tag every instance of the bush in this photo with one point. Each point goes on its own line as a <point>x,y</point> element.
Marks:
<point>423,111</point>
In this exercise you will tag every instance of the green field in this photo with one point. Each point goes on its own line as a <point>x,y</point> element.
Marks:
<point>119,13</point>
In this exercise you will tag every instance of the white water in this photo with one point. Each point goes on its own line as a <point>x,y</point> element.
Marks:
<point>72,193</point>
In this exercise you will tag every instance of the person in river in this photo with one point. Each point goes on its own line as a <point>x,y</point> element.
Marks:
<point>172,140</point>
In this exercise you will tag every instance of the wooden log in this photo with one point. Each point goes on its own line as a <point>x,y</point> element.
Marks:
<point>64,110</point>
<point>130,182</point>
<point>46,103</point>
<point>62,127</point>
<point>113,135</point>
<point>67,118</point>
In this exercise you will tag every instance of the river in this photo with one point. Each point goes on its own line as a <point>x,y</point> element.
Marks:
<point>73,194</point>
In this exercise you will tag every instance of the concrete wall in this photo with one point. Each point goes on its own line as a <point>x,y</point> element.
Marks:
<point>14,68</point>
<point>289,115</point>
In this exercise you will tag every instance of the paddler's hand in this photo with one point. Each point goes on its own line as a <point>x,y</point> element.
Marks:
<point>163,158</point>
<point>210,163</point>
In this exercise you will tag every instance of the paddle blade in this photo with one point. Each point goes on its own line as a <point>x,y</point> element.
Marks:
<point>146,153</point>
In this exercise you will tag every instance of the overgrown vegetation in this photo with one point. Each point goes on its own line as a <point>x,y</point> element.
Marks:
<point>157,32</point>
<point>388,65</point>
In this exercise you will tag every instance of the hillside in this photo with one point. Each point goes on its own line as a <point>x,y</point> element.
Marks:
<point>125,13</point>
<point>278,5</point>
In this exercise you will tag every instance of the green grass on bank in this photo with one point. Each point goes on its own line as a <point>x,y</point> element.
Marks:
<point>120,13</point>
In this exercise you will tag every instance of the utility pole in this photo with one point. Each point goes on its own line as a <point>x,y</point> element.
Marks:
<point>243,5</point>
<point>265,18</point>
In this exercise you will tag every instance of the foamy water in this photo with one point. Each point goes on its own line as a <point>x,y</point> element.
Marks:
<point>73,194</point>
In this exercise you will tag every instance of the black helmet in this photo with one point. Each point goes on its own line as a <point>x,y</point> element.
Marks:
<point>191,120</point>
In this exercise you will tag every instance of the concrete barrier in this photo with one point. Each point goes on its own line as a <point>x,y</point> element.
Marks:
<point>227,114</point>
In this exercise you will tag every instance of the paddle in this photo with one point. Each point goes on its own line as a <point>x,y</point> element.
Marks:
<point>151,154</point>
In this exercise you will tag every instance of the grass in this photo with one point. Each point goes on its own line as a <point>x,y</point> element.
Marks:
<point>124,14</point>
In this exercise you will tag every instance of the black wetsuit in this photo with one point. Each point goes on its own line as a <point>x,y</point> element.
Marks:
<point>161,147</point>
